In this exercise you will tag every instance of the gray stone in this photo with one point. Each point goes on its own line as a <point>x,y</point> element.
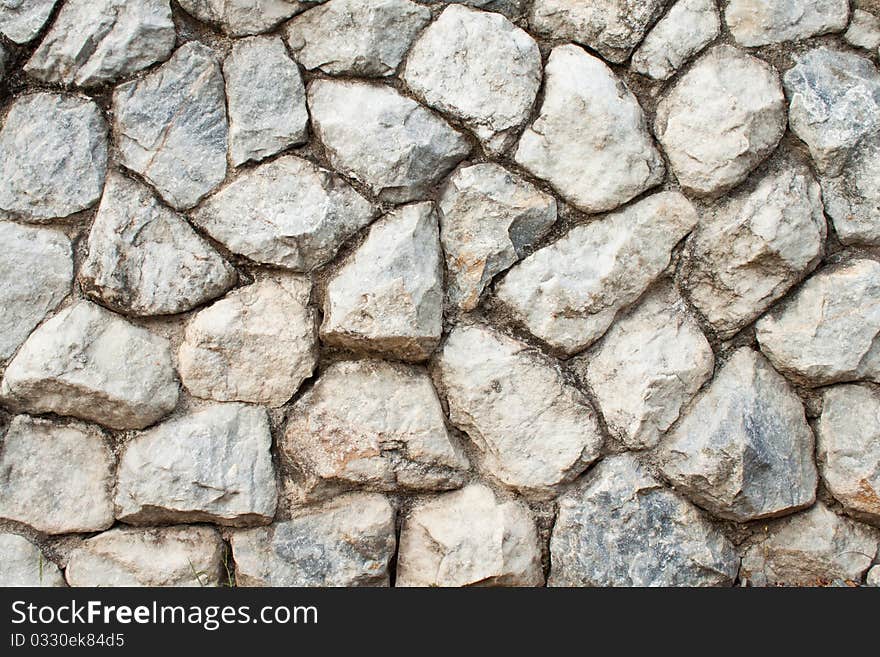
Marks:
<point>510,8</point>
<point>22,20</point>
<point>852,199</point>
<point>239,18</point>
<point>4,59</point>
<point>873,577</point>
<point>762,22</point>
<point>23,563</point>
<point>863,30</point>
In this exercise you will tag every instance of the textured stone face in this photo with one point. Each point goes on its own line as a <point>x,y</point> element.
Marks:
<point>22,20</point>
<point>864,30</point>
<point>239,18</point>
<point>873,577</point>
<point>510,8</point>
<point>852,199</point>
<point>761,22</point>
<point>23,563</point>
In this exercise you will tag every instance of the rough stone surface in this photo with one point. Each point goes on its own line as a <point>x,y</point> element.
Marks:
<point>762,22</point>
<point>23,563</point>
<point>239,18</point>
<point>852,199</point>
<point>863,30</point>
<point>873,577</point>
<point>510,8</point>
<point>22,20</point>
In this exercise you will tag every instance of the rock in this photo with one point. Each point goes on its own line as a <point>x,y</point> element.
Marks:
<point>569,301</point>
<point>347,542</point>
<point>170,126</point>
<point>488,218</point>
<point>36,270</point>
<point>461,62</point>
<point>266,98</point>
<point>762,22</point>
<point>73,365</point>
<point>375,425</point>
<point>239,18</point>
<point>53,156</point>
<point>873,577</point>
<point>23,563</point>
<point>510,8</point>
<point>852,199</point>
<point>258,344</point>
<point>590,140</point>
<point>469,538</point>
<point>687,28</point>
<point>145,259</point>
<point>93,42</point>
<point>22,20</point>
<point>812,548</point>
<point>383,139</point>
<point>212,465</point>
<point>863,31</point>
<point>533,431</point>
<point>56,478</point>
<point>351,37</point>
<point>753,245</point>
<point>287,212</point>
<point>827,331</point>
<point>649,365</point>
<point>721,120</point>
<point>388,297</point>
<point>621,527</point>
<point>4,59</point>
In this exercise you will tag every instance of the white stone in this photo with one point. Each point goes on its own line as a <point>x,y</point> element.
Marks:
<point>23,563</point>
<point>510,8</point>
<point>22,20</point>
<point>239,18</point>
<point>852,199</point>
<point>873,577</point>
<point>863,30</point>
<point>762,22</point>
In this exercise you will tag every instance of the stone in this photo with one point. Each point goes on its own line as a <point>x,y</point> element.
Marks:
<point>22,20</point>
<point>351,37</point>
<point>720,120</point>
<point>852,199</point>
<point>388,296</point>
<point>53,156</point>
<point>621,527</point>
<point>383,139</point>
<point>257,344</point>
<point>374,425</point>
<point>92,364</point>
<point>266,99</point>
<point>762,22</point>
<point>4,60</point>
<point>461,62</point>
<point>93,42</point>
<point>873,577</point>
<point>533,431</point>
<point>649,365</point>
<point>36,271</point>
<point>210,465</point>
<point>145,259</point>
<point>23,563</point>
<point>469,538</point>
<point>744,450</point>
<point>287,212</point>
<point>569,301</point>
<point>56,478</point>
<point>170,126</point>
<point>346,542</point>
<point>590,140</point>
<point>239,18</point>
<point>863,30</point>
<point>488,218</point>
<point>510,8</point>
<point>753,245</point>
<point>687,28</point>
<point>812,548</point>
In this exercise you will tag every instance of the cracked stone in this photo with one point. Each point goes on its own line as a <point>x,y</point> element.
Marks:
<point>22,20</point>
<point>852,199</point>
<point>762,22</point>
<point>510,8</point>
<point>24,564</point>
<point>239,18</point>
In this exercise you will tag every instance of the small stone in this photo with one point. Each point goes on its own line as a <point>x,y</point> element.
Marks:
<point>469,538</point>
<point>762,22</point>
<point>287,212</point>
<point>239,18</point>
<point>92,364</point>
<point>568,300</point>
<point>459,64</point>
<point>590,140</point>
<point>852,199</point>
<point>53,156</point>
<point>347,542</point>
<point>721,120</point>
<point>257,344</point>
<point>510,8</point>
<point>621,527</point>
<point>170,126</point>
<point>863,31</point>
<point>22,20</point>
<point>488,217</point>
<point>533,431</point>
<point>4,59</point>
<point>388,297</point>
<point>873,577</point>
<point>56,478</point>
<point>23,563</point>
<point>146,259</point>
<point>384,139</point>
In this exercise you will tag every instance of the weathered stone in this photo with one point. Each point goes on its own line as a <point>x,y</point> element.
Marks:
<point>384,139</point>
<point>852,199</point>
<point>863,30</point>
<point>23,563</point>
<point>469,538</point>
<point>873,577</point>
<point>621,527</point>
<point>4,59</point>
<point>762,22</point>
<point>590,140</point>
<point>568,300</point>
<point>239,18</point>
<point>91,364</point>
<point>510,8</point>
<point>22,20</point>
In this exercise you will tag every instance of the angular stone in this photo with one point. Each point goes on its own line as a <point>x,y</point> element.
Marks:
<point>211,465</point>
<point>146,259</point>
<point>384,139</point>
<point>388,297</point>
<point>4,59</point>
<point>873,577</point>
<point>469,538</point>
<point>22,20</point>
<point>56,478</point>
<point>53,156</point>
<point>590,140</point>
<point>863,30</point>
<point>92,364</point>
<point>621,527</point>
<point>568,300</point>
<point>510,8</point>
<point>721,120</point>
<point>762,22</point>
<point>533,431</point>
<point>258,344</point>
<point>23,563</point>
<point>170,126</point>
<point>346,542</point>
<point>852,199</point>
<point>287,212</point>
<point>239,18</point>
